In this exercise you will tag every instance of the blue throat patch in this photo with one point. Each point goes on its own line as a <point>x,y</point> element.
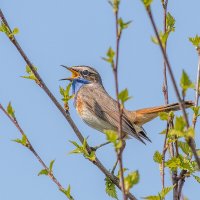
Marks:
<point>76,85</point>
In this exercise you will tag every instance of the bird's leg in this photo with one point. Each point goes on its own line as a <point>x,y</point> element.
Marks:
<point>99,146</point>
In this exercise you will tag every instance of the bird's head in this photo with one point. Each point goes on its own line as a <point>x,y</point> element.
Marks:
<point>83,74</point>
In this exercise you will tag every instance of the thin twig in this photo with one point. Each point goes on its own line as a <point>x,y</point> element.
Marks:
<point>115,71</point>
<point>165,93</point>
<point>196,102</point>
<point>66,115</point>
<point>30,147</point>
<point>190,140</point>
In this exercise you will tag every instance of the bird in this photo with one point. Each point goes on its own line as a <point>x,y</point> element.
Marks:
<point>100,111</point>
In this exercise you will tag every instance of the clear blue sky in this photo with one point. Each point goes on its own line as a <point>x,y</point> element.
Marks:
<point>73,33</point>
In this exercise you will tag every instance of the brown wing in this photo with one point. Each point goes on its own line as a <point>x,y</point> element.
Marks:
<point>103,106</point>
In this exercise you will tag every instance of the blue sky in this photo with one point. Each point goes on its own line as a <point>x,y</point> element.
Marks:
<point>75,32</point>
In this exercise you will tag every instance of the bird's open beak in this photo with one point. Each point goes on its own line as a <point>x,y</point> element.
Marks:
<point>75,74</point>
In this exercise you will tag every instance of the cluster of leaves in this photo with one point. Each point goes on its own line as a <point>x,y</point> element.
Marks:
<point>110,56</point>
<point>82,149</point>
<point>7,31</point>
<point>31,75</point>
<point>129,181</point>
<point>66,96</point>
<point>170,27</point>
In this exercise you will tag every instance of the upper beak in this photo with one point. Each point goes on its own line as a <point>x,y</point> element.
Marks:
<point>75,73</point>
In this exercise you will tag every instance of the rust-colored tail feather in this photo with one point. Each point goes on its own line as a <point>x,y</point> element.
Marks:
<point>142,116</point>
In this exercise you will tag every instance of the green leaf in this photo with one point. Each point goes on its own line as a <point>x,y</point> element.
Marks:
<point>196,110</point>
<point>147,3</point>
<point>15,31</point>
<point>123,96</point>
<point>197,178</point>
<point>185,82</point>
<point>165,191</point>
<point>43,172</point>
<point>122,24</point>
<point>23,141</point>
<point>161,195</point>
<point>173,163</point>
<point>184,147</point>
<point>112,137</point>
<point>83,150</point>
<point>157,157</point>
<point>152,198</point>
<point>67,192</point>
<point>110,188</point>
<point>51,165</point>
<point>163,38</point>
<point>179,123</point>
<point>195,41</point>
<point>163,116</point>
<point>110,55</point>
<point>10,110</point>
<point>31,75</point>
<point>170,22</point>
<point>131,180</point>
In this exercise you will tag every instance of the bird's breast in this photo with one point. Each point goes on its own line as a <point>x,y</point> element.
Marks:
<point>79,105</point>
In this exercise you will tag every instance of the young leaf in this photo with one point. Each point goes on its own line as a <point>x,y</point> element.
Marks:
<point>147,3</point>
<point>163,116</point>
<point>170,23</point>
<point>67,192</point>
<point>131,180</point>
<point>122,24</point>
<point>165,191</point>
<point>112,137</point>
<point>157,157</point>
<point>31,75</point>
<point>43,172</point>
<point>152,198</point>
<point>110,55</point>
<point>22,141</point>
<point>10,110</point>
<point>185,82</point>
<point>173,163</point>
<point>15,31</point>
<point>123,96</point>
<point>195,41</point>
<point>110,188</point>
<point>51,165</point>
<point>184,147</point>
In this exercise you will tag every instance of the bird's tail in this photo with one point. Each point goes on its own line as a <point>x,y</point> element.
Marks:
<point>144,115</point>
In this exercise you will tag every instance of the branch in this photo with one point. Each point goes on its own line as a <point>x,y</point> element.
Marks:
<point>190,140</point>
<point>30,147</point>
<point>196,102</point>
<point>165,93</point>
<point>115,71</point>
<point>66,115</point>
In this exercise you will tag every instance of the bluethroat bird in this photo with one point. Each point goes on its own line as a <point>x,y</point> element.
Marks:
<point>100,111</point>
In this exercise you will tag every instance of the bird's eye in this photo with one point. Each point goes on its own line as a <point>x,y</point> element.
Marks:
<point>85,72</point>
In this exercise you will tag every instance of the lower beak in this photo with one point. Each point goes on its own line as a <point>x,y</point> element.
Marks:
<point>75,74</point>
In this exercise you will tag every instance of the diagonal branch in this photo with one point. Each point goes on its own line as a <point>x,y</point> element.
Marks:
<point>66,115</point>
<point>31,148</point>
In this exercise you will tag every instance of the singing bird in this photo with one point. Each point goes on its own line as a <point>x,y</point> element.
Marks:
<point>100,111</point>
